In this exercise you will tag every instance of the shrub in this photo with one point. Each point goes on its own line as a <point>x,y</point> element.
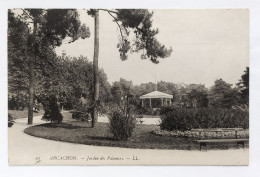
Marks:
<point>166,109</point>
<point>11,103</point>
<point>82,112</point>
<point>10,117</point>
<point>178,118</point>
<point>10,120</point>
<point>82,116</point>
<point>52,111</point>
<point>121,125</point>
<point>143,110</point>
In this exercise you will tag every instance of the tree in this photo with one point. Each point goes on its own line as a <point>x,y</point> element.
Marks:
<point>120,90</point>
<point>243,86</point>
<point>198,95</point>
<point>139,22</point>
<point>78,81</point>
<point>50,27</point>
<point>222,95</point>
<point>17,64</point>
<point>52,111</point>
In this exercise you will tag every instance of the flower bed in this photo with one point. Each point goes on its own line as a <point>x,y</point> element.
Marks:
<point>204,135</point>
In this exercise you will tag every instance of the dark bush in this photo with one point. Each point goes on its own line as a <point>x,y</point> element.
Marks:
<point>82,116</point>
<point>121,125</point>
<point>82,112</point>
<point>11,103</point>
<point>10,120</point>
<point>139,110</point>
<point>10,117</point>
<point>52,111</point>
<point>178,118</point>
<point>166,109</point>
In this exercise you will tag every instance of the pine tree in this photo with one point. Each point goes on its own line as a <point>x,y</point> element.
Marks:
<point>137,21</point>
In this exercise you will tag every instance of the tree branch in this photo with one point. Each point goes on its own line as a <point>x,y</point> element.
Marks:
<point>111,11</point>
<point>118,25</point>
<point>28,14</point>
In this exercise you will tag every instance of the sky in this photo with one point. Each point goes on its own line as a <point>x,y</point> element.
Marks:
<point>207,45</point>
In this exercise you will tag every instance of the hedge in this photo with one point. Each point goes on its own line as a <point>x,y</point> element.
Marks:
<point>178,118</point>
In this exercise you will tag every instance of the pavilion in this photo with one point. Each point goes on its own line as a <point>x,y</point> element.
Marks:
<point>156,99</point>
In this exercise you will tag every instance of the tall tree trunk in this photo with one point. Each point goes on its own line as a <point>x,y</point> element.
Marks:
<point>31,79</point>
<point>95,69</point>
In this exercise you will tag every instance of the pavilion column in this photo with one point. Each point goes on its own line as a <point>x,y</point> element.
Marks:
<point>162,101</point>
<point>142,102</point>
<point>150,102</point>
<point>170,101</point>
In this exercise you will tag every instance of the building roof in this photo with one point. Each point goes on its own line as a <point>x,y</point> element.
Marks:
<point>156,94</point>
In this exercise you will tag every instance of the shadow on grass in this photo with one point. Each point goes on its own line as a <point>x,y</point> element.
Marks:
<point>101,138</point>
<point>62,125</point>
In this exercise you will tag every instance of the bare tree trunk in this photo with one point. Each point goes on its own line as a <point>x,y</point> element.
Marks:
<point>95,69</point>
<point>31,92</point>
<point>31,80</point>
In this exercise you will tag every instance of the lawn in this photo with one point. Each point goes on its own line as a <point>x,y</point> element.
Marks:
<point>18,114</point>
<point>143,138</point>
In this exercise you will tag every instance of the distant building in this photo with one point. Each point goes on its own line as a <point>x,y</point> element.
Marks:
<point>156,99</point>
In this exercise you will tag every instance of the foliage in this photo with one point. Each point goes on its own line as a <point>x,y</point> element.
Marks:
<point>223,95</point>
<point>82,110</point>
<point>17,56</point>
<point>10,117</point>
<point>188,118</point>
<point>139,110</point>
<point>11,103</point>
<point>121,125</point>
<point>36,46</point>
<point>120,90</point>
<point>18,102</point>
<point>82,116</point>
<point>199,93</point>
<point>243,86</point>
<point>75,79</point>
<point>10,120</point>
<point>61,23</point>
<point>140,21</point>
<point>52,111</point>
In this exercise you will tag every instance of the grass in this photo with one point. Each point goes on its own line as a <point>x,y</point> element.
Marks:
<point>18,114</point>
<point>143,138</point>
<point>150,116</point>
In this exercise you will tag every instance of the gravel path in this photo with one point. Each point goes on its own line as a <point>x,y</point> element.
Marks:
<point>28,150</point>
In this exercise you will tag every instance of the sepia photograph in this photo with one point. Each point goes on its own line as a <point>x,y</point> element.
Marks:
<point>128,86</point>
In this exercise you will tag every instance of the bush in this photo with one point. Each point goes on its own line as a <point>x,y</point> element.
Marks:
<point>166,109</point>
<point>10,120</point>
<point>52,111</point>
<point>178,118</point>
<point>11,103</point>
<point>143,110</point>
<point>10,117</point>
<point>120,125</point>
<point>82,116</point>
<point>82,112</point>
